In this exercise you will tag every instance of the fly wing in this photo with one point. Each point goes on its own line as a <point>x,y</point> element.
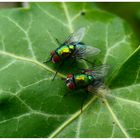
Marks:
<point>98,72</point>
<point>91,51</point>
<point>79,51</point>
<point>82,51</point>
<point>95,86</point>
<point>76,37</point>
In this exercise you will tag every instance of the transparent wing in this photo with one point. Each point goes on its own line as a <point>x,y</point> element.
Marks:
<point>76,37</point>
<point>79,51</point>
<point>101,71</point>
<point>83,51</point>
<point>95,86</point>
<point>98,72</point>
<point>91,89</point>
<point>92,50</point>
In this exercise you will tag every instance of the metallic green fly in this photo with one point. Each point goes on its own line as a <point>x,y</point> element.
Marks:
<point>89,79</point>
<point>72,48</point>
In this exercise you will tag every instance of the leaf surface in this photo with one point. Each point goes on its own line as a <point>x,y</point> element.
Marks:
<point>31,105</point>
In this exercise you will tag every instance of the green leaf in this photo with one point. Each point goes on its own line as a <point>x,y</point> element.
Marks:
<point>127,11</point>
<point>32,105</point>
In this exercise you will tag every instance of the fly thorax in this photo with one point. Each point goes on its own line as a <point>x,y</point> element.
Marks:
<point>81,80</point>
<point>64,51</point>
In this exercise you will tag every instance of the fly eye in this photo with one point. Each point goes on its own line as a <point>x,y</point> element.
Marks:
<point>56,58</point>
<point>71,85</point>
<point>52,52</point>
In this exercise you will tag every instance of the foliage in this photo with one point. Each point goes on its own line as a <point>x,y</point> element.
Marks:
<point>31,105</point>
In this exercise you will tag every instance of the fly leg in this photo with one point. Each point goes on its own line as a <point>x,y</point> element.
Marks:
<point>45,62</point>
<point>58,42</point>
<point>54,75</point>
<point>58,69</point>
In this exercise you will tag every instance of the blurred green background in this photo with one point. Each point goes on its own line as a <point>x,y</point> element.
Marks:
<point>130,11</point>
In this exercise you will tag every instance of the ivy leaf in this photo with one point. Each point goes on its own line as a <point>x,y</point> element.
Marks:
<point>32,105</point>
<point>127,11</point>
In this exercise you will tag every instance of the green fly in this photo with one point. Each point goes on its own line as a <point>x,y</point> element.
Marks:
<point>72,48</point>
<point>87,79</point>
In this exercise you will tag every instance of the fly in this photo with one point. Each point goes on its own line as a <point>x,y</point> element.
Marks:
<point>88,79</point>
<point>72,48</point>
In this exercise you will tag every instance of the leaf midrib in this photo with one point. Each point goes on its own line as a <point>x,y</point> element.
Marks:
<point>115,118</point>
<point>74,116</point>
<point>32,61</point>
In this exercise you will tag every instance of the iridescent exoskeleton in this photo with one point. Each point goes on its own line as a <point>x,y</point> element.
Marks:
<point>73,49</point>
<point>87,79</point>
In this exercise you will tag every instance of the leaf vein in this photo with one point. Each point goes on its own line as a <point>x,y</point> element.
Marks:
<point>7,66</point>
<point>32,61</point>
<point>79,127</point>
<point>72,118</point>
<point>115,118</point>
<point>26,36</point>
<point>126,100</point>
<point>68,17</point>
<point>50,15</point>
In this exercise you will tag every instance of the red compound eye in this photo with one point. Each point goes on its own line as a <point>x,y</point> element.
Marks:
<point>71,85</point>
<point>69,76</point>
<point>56,58</point>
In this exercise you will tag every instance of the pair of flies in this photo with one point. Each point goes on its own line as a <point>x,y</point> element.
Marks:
<point>73,49</point>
